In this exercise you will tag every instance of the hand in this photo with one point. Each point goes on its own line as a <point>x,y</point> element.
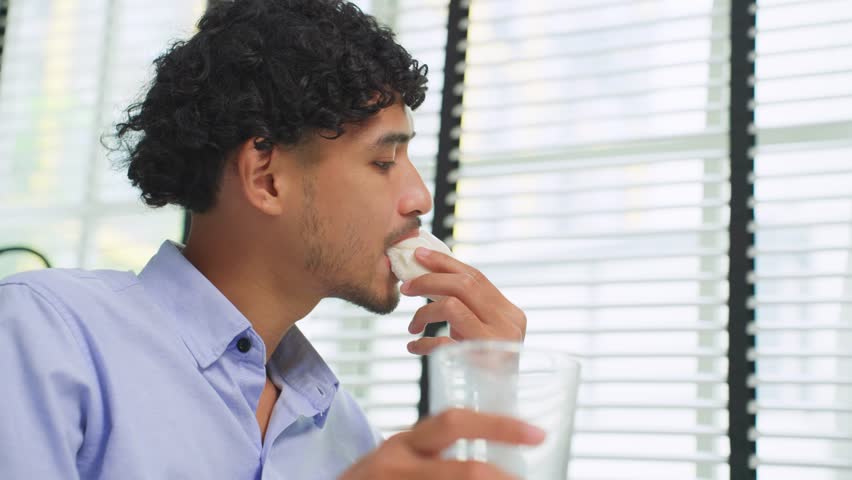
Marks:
<point>416,454</point>
<point>473,306</point>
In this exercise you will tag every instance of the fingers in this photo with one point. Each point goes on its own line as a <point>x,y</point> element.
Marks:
<point>415,454</point>
<point>480,298</point>
<point>441,263</point>
<point>495,320</point>
<point>433,435</point>
<point>460,285</point>
<point>425,345</point>
<point>470,470</point>
<point>470,302</point>
<point>463,322</point>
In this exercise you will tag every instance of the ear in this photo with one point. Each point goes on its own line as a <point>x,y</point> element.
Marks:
<point>261,174</point>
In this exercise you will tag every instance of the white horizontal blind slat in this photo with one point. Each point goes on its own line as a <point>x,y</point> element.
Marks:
<point>803,233</point>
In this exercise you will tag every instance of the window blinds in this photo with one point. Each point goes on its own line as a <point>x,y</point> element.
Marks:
<point>598,285</point>
<point>803,232</point>
<point>368,352</point>
<point>574,197</point>
<point>592,189</point>
<point>69,66</point>
<point>4,9</point>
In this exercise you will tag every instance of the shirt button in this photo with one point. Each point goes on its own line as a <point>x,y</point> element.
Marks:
<point>244,345</point>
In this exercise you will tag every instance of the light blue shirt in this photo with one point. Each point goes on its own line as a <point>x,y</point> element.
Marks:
<point>110,375</point>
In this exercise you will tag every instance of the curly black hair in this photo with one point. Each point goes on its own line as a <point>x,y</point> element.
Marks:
<point>271,69</point>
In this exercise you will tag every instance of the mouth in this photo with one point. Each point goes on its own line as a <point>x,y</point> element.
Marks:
<point>390,270</point>
<point>412,234</point>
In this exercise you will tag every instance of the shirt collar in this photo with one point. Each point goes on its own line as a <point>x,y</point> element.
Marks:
<point>206,321</point>
<point>296,363</point>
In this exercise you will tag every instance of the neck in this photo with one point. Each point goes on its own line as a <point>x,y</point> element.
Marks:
<point>271,300</point>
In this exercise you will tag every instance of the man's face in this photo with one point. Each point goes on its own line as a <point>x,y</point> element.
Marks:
<point>360,195</point>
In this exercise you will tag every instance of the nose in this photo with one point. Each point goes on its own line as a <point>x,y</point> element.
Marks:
<point>416,199</point>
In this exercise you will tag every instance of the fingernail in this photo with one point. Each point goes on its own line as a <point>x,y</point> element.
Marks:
<point>410,346</point>
<point>405,286</point>
<point>422,252</point>
<point>534,434</point>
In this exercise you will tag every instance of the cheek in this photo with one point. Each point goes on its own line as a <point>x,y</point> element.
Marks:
<point>358,207</point>
<point>368,195</point>
<point>351,226</point>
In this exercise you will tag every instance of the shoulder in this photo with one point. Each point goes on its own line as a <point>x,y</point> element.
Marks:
<point>65,288</point>
<point>37,332</point>
<point>62,320</point>
<point>44,300</point>
<point>60,281</point>
<point>44,359</point>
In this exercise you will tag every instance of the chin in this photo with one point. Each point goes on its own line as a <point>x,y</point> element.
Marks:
<point>378,302</point>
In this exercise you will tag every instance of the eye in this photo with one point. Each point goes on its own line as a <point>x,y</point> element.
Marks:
<point>384,166</point>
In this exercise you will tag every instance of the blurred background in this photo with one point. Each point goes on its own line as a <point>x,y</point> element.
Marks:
<point>582,160</point>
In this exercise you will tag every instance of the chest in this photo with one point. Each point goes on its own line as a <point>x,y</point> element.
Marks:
<point>157,413</point>
<point>265,405</point>
<point>163,439</point>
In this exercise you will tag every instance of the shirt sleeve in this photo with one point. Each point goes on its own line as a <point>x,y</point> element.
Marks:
<point>42,388</point>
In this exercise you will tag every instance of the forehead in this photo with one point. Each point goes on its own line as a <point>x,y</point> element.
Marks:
<point>391,125</point>
<point>397,118</point>
<point>409,115</point>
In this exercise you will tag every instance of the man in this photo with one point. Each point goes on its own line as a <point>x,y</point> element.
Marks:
<point>282,125</point>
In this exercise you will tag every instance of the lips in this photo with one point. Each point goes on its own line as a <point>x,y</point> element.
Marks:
<point>390,269</point>
<point>412,234</point>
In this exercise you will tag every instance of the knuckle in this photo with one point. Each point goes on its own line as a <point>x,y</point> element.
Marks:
<point>453,304</point>
<point>393,458</point>
<point>476,275</point>
<point>391,447</point>
<point>521,323</point>
<point>468,282</point>
<point>394,440</point>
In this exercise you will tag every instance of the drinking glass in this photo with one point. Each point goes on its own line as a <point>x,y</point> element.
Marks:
<point>536,385</point>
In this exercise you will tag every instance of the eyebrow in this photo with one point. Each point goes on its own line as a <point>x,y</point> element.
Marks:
<point>393,138</point>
